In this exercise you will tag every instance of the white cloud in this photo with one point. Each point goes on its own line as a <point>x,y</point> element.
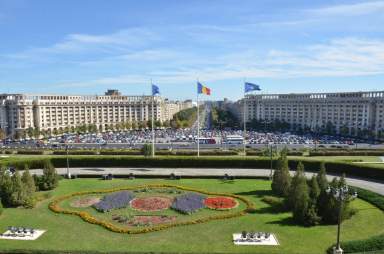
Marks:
<point>355,9</point>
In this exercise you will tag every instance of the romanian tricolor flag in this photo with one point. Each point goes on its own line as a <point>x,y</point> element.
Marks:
<point>203,89</point>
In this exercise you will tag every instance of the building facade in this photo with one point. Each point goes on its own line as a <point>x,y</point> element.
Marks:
<point>53,112</point>
<point>349,113</point>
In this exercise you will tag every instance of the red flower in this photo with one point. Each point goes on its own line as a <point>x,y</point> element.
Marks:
<point>220,203</point>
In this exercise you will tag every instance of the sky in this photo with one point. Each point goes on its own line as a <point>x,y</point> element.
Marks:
<point>88,46</point>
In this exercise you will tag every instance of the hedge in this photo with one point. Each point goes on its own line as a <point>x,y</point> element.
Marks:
<point>337,168</point>
<point>75,152</point>
<point>120,152</point>
<point>374,243</point>
<point>32,152</point>
<point>347,153</point>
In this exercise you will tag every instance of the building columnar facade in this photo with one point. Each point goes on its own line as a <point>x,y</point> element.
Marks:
<point>50,112</point>
<point>350,113</point>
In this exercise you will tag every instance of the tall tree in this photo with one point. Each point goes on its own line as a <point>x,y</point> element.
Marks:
<point>29,188</point>
<point>281,180</point>
<point>296,180</point>
<point>18,195</point>
<point>50,179</point>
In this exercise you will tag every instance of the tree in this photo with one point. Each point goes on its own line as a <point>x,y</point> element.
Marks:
<point>50,179</point>
<point>322,177</point>
<point>300,199</point>
<point>29,188</point>
<point>18,195</point>
<point>147,150</point>
<point>2,134</point>
<point>297,178</point>
<point>1,207</point>
<point>5,186</point>
<point>323,199</point>
<point>281,179</point>
<point>314,190</point>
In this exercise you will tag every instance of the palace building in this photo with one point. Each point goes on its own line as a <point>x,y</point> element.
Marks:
<point>349,113</point>
<point>50,112</point>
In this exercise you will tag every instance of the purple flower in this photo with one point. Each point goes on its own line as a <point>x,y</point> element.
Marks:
<point>188,203</point>
<point>114,201</point>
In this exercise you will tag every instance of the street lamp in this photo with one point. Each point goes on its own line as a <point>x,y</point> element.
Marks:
<point>68,172</point>
<point>271,156</point>
<point>341,194</point>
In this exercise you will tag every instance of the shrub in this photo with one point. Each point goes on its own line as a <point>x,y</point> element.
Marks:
<point>277,203</point>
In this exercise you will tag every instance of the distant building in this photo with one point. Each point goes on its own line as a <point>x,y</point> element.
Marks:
<point>348,113</point>
<point>55,112</point>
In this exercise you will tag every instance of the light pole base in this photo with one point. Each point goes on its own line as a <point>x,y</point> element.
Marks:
<point>337,250</point>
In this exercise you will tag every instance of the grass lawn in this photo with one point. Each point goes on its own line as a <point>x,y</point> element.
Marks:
<point>67,232</point>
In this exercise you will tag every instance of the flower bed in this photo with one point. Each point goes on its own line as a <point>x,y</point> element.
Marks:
<point>85,202</point>
<point>55,207</point>
<point>143,220</point>
<point>188,203</point>
<point>114,201</point>
<point>148,204</point>
<point>220,203</point>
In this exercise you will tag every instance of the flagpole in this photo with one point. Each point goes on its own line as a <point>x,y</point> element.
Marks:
<point>153,131</point>
<point>244,121</point>
<point>198,122</point>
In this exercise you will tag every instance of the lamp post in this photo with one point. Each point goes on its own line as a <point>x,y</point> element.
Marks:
<point>271,156</point>
<point>68,172</point>
<point>341,194</point>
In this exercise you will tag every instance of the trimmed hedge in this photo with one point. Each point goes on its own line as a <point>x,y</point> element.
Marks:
<point>31,152</point>
<point>374,243</point>
<point>337,168</point>
<point>120,152</point>
<point>347,153</point>
<point>75,152</point>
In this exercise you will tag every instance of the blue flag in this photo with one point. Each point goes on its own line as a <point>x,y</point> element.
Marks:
<point>155,90</point>
<point>248,87</point>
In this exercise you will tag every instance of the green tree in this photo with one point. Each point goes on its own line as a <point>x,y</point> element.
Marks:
<point>1,207</point>
<point>147,150</point>
<point>5,186</point>
<point>314,190</point>
<point>297,178</point>
<point>49,179</point>
<point>300,199</point>
<point>322,178</point>
<point>29,188</point>
<point>281,180</point>
<point>18,195</point>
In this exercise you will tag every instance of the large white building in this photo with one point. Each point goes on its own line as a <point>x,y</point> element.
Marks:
<point>349,113</point>
<point>50,112</point>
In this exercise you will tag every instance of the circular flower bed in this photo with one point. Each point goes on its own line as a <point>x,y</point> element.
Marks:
<point>85,202</point>
<point>151,203</point>
<point>220,203</point>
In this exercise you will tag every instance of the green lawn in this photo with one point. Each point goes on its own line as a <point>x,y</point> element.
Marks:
<point>67,232</point>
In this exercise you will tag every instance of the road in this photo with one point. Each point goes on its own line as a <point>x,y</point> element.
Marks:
<point>377,187</point>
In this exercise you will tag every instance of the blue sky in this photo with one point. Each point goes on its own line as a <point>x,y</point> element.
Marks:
<point>88,46</point>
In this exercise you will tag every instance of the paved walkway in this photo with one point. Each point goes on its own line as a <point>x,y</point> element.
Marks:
<point>362,183</point>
